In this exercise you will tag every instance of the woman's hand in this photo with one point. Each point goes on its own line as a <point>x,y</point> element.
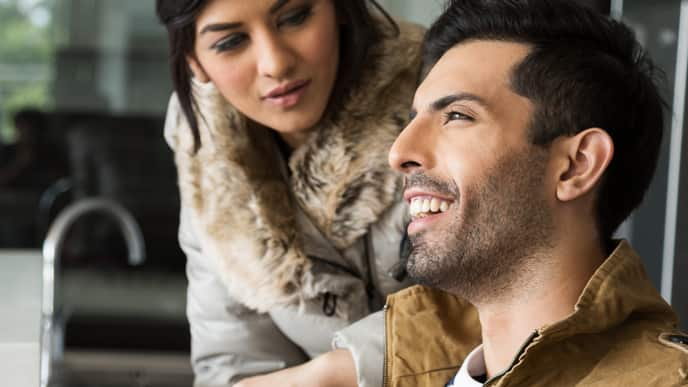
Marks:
<point>332,369</point>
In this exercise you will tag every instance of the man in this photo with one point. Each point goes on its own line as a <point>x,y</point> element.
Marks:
<point>533,136</point>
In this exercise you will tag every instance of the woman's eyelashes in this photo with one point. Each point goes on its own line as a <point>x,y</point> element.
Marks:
<point>296,17</point>
<point>231,42</point>
<point>293,18</point>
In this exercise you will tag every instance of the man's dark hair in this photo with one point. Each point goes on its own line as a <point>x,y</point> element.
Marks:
<point>359,31</point>
<point>584,70</point>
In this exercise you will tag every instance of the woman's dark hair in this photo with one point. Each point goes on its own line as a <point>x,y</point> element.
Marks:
<point>359,31</point>
<point>584,70</point>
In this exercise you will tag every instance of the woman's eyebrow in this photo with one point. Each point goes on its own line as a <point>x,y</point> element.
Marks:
<point>228,26</point>
<point>219,27</point>
<point>278,5</point>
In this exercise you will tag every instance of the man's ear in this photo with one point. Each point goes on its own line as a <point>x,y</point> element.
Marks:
<point>197,69</point>
<point>585,157</point>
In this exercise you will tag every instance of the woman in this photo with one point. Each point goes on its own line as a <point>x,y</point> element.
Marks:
<point>291,219</point>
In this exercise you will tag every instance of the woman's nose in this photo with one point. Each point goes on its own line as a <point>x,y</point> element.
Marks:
<point>275,58</point>
<point>413,149</point>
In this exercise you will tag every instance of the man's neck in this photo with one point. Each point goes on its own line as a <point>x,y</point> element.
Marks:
<point>548,295</point>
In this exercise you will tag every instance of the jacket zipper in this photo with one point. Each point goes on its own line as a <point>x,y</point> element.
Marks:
<point>373,290</point>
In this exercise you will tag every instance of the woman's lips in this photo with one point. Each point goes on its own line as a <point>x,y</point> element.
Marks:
<point>288,95</point>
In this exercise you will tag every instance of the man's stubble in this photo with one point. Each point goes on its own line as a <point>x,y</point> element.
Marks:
<point>494,244</point>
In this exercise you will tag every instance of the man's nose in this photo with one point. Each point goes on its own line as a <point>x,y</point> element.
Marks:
<point>413,150</point>
<point>275,59</point>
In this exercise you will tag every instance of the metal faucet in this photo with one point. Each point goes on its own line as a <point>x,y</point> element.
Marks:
<point>52,247</point>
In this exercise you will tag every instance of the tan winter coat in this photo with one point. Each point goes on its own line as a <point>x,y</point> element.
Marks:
<point>622,334</point>
<point>283,258</point>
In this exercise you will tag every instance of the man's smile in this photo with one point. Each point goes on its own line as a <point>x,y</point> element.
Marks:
<point>425,207</point>
<point>422,206</point>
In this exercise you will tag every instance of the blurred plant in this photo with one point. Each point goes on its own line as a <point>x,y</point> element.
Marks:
<point>26,55</point>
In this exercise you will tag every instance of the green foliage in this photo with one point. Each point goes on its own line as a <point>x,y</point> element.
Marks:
<point>24,42</point>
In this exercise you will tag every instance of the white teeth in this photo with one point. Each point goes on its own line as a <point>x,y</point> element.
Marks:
<point>444,206</point>
<point>421,207</point>
<point>414,208</point>
<point>426,205</point>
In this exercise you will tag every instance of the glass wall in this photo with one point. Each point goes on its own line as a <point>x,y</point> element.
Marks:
<point>110,56</point>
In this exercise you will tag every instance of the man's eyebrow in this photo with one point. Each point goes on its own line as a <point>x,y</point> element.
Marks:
<point>445,101</point>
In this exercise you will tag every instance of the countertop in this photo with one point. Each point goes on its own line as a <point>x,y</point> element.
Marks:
<point>20,307</point>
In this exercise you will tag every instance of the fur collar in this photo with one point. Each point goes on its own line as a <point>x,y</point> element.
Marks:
<point>244,208</point>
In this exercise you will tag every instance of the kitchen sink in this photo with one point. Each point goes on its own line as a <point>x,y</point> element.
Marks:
<point>122,329</point>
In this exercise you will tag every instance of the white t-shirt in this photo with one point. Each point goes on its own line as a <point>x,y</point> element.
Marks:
<point>472,367</point>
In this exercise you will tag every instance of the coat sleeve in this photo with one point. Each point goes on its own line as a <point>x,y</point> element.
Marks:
<point>228,340</point>
<point>365,340</point>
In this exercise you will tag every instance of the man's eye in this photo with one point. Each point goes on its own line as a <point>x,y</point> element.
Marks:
<point>229,43</point>
<point>453,116</point>
<point>295,18</point>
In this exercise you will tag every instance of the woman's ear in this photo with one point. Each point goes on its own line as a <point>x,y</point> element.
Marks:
<point>197,69</point>
<point>586,157</point>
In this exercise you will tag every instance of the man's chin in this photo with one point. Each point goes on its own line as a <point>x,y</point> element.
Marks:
<point>427,267</point>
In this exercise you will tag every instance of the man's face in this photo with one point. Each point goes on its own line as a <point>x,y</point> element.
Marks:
<point>474,183</point>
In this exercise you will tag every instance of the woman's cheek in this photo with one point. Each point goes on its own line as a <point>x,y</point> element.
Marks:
<point>234,83</point>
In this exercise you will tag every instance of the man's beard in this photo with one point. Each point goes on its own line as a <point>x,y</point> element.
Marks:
<point>492,245</point>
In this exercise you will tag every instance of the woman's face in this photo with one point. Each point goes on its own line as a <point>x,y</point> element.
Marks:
<point>274,60</point>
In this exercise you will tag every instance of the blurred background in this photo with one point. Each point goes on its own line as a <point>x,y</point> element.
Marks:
<point>83,89</point>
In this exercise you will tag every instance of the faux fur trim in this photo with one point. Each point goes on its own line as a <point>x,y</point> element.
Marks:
<point>242,205</point>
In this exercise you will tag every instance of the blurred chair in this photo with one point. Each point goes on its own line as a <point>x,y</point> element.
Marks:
<point>125,159</point>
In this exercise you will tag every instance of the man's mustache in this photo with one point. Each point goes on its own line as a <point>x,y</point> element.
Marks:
<point>424,181</point>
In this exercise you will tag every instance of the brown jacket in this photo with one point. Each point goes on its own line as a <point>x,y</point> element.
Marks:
<point>621,333</point>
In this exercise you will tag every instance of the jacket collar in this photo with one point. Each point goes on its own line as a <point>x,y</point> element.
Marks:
<point>618,289</point>
<point>244,208</point>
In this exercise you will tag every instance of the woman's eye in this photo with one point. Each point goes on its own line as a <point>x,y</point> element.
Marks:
<point>453,116</point>
<point>229,43</point>
<point>295,18</point>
